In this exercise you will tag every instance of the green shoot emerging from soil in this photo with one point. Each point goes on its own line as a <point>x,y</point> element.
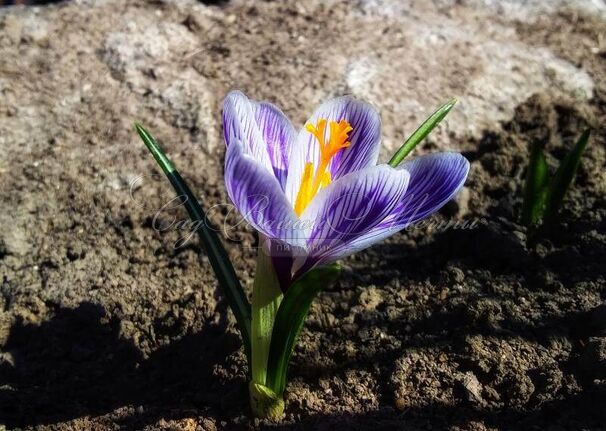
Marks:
<point>544,194</point>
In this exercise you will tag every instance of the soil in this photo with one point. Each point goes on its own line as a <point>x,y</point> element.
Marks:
<point>105,324</point>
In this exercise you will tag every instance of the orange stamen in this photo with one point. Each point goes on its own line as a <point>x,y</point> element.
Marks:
<point>312,183</point>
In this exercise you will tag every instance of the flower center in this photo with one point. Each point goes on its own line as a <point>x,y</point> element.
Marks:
<point>315,179</point>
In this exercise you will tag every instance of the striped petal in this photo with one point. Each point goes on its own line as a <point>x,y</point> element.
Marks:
<point>263,129</point>
<point>278,134</point>
<point>434,180</point>
<point>348,209</point>
<point>257,194</point>
<point>363,151</point>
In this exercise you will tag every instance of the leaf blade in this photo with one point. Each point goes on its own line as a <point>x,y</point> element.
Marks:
<point>422,131</point>
<point>534,190</point>
<point>564,176</point>
<point>217,255</point>
<point>289,321</point>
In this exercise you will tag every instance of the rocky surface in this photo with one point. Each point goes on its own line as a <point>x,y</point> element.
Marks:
<point>105,325</point>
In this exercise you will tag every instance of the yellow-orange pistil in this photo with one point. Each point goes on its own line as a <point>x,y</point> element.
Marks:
<point>315,179</point>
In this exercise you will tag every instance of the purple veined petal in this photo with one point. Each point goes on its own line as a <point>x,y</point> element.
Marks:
<point>348,209</point>
<point>363,151</point>
<point>239,124</point>
<point>263,129</point>
<point>278,134</point>
<point>434,180</point>
<point>258,196</point>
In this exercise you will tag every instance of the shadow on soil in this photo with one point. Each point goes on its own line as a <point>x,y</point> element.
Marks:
<point>76,364</point>
<point>578,412</point>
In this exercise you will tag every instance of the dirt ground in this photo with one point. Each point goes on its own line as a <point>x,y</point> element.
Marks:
<point>105,325</point>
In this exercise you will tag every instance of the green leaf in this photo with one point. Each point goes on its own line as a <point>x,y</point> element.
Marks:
<point>266,298</point>
<point>151,144</point>
<point>289,321</point>
<point>535,190</point>
<point>564,176</point>
<point>422,132</point>
<point>217,256</point>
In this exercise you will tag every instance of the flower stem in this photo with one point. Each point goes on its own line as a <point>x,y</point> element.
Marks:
<point>266,299</point>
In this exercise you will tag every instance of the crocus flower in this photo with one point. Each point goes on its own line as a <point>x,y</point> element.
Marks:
<point>315,196</point>
<point>318,194</point>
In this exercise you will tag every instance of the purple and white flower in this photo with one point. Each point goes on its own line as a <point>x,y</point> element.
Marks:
<point>318,194</point>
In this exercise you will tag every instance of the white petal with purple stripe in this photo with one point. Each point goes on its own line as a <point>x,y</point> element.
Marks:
<point>350,207</point>
<point>263,129</point>
<point>257,194</point>
<point>434,180</point>
<point>365,141</point>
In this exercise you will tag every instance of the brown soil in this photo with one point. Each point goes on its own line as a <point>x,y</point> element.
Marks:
<point>104,324</point>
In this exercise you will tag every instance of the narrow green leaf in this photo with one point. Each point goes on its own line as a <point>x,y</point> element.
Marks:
<point>217,256</point>
<point>289,321</point>
<point>422,132</point>
<point>564,176</point>
<point>151,144</point>
<point>535,189</point>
